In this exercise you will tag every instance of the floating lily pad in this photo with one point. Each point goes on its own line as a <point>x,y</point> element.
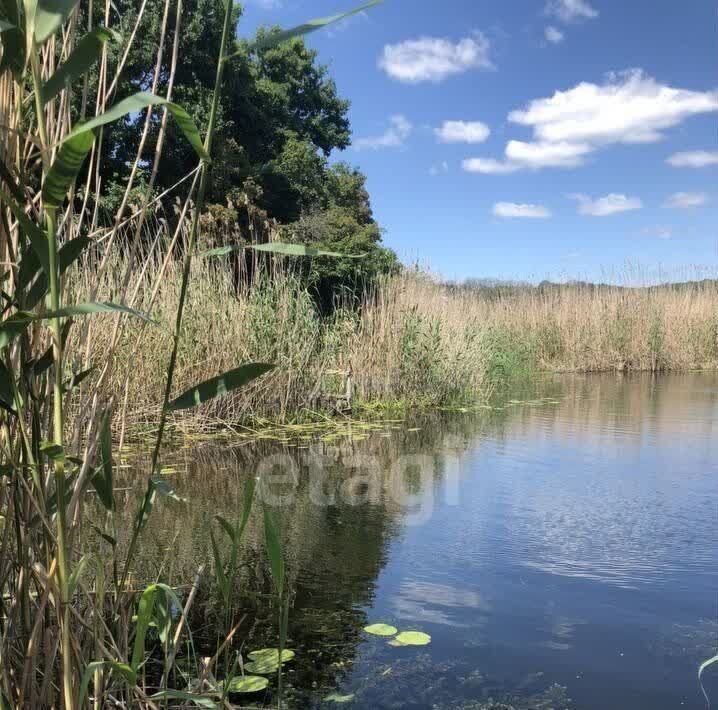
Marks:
<point>271,654</point>
<point>248,684</point>
<point>266,666</point>
<point>380,629</point>
<point>411,638</point>
<point>337,698</point>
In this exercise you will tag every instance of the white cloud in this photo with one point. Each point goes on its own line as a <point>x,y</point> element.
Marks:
<point>686,200</point>
<point>393,137</point>
<point>553,35</point>
<point>441,168</point>
<point>660,232</point>
<point>462,132</point>
<point>571,10</point>
<point>629,107</point>
<point>605,206</point>
<point>435,58</point>
<point>513,210</point>
<point>694,159</point>
<point>488,166</point>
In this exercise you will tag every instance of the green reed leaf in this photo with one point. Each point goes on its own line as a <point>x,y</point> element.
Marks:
<point>283,248</point>
<point>86,53</point>
<point>122,669</point>
<point>36,237</point>
<point>303,29</point>
<point>102,480</point>
<point>74,578</point>
<point>65,168</point>
<point>66,257</point>
<point>144,616</point>
<point>50,15</point>
<point>273,543</point>
<point>139,102</point>
<point>220,385</point>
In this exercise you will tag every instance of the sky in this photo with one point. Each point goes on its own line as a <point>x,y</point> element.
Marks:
<point>530,139</point>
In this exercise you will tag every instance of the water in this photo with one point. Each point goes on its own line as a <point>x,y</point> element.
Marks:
<point>561,551</point>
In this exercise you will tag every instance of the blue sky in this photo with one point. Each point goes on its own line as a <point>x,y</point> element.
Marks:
<point>530,138</point>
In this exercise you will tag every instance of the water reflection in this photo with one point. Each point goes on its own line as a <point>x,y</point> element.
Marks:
<point>568,537</point>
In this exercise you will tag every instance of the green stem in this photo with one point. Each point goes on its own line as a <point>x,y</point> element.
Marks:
<point>58,433</point>
<point>199,207</point>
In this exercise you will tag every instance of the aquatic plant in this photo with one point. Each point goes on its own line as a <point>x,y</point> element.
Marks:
<point>71,623</point>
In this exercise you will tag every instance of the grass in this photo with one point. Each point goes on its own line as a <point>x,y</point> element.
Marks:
<point>413,342</point>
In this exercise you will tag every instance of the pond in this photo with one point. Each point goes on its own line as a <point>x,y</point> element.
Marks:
<point>560,549</point>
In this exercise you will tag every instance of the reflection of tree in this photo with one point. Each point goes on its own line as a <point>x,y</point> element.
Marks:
<point>335,552</point>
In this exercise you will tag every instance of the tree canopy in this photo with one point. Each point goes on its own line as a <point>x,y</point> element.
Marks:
<point>280,119</point>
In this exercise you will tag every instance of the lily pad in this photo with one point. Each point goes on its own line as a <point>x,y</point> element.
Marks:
<point>411,638</point>
<point>266,666</point>
<point>248,684</point>
<point>271,654</point>
<point>380,629</point>
<point>338,698</point>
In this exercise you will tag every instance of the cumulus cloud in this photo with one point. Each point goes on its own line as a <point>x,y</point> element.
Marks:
<point>441,168</point>
<point>629,107</point>
<point>694,159</point>
<point>686,200</point>
<point>605,206</point>
<point>553,35</point>
<point>488,166</point>
<point>462,132</point>
<point>393,137</point>
<point>571,10</point>
<point>513,210</point>
<point>435,58</point>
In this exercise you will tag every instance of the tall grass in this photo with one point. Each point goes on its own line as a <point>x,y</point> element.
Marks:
<point>411,341</point>
<point>73,631</point>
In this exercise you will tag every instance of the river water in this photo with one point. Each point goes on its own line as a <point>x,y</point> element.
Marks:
<point>560,549</point>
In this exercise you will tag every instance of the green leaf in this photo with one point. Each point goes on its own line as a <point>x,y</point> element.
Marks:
<point>247,684</point>
<point>305,28</point>
<point>50,16</point>
<point>265,666</point>
<point>271,655</point>
<point>144,616</point>
<point>102,480</point>
<point>85,54</point>
<point>13,39</point>
<point>83,309</point>
<point>68,254</point>
<point>65,167</point>
<point>285,249</point>
<point>273,543</point>
<point>121,669</point>
<point>219,386</point>
<point>77,378</point>
<point>138,102</point>
<point>37,238</point>
<point>4,26</point>
<point>411,638</point>
<point>381,629</point>
<point>6,386</point>
<point>10,328</point>
<point>198,700</point>
<point>52,450</point>
<point>76,574</point>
